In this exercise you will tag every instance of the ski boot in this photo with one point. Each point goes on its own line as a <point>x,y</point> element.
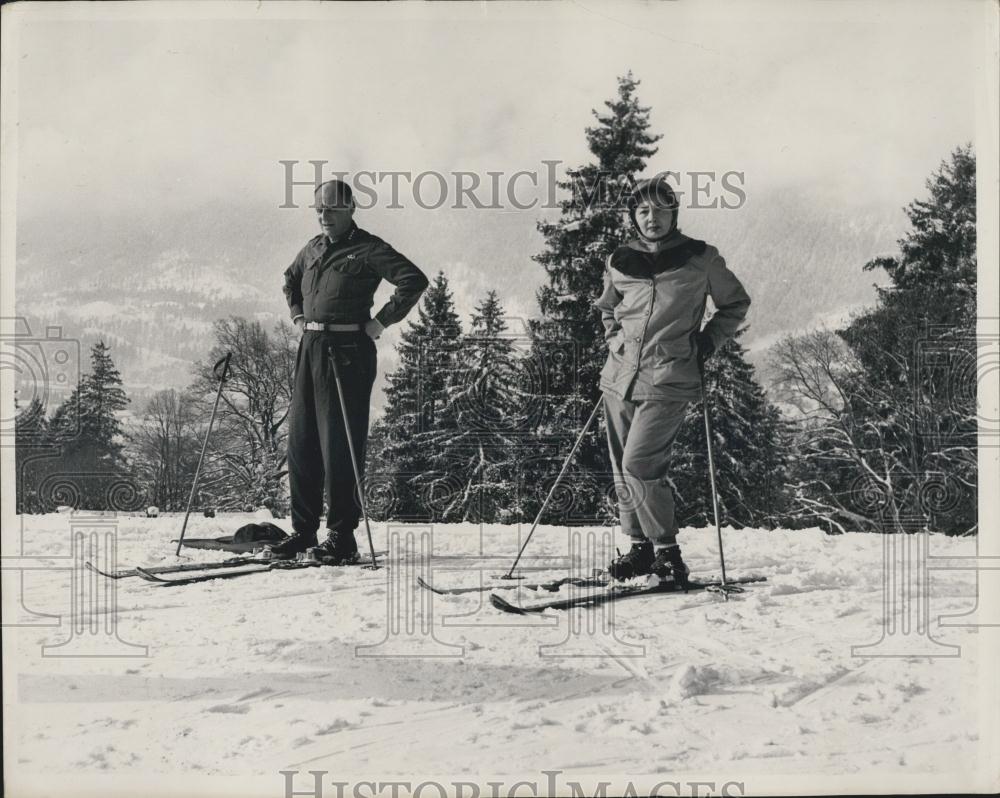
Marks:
<point>637,561</point>
<point>339,548</point>
<point>668,565</point>
<point>291,547</point>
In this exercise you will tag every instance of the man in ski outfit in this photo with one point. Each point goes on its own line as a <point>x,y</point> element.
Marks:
<point>330,288</point>
<point>652,306</point>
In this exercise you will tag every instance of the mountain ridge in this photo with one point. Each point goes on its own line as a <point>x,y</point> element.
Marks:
<point>153,291</point>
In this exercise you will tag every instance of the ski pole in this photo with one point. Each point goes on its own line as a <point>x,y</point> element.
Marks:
<point>224,363</point>
<point>354,458</point>
<point>724,588</point>
<point>569,458</point>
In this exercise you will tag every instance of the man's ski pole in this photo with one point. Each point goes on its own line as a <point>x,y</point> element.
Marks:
<point>354,459</point>
<point>725,588</point>
<point>224,363</point>
<point>569,458</point>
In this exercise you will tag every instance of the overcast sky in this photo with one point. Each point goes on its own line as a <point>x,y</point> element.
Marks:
<point>142,113</point>
<point>155,114</point>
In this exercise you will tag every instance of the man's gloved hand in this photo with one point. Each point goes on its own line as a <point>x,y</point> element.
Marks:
<point>704,346</point>
<point>300,322</point>
<point>374,328</point>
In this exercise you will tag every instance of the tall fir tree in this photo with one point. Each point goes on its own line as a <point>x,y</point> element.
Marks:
<point>932,285</point>
<point>480,444</point>
<point>88,429</point>
<point>917,351</point>
<point>31,451</point>
<point>87,424</point>
<point>416,393</point>
<point>568,346</point>
<point>887,441</point>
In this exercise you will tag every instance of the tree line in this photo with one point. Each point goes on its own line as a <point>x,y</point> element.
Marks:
<point>870,427</point>
<point>86,456</point>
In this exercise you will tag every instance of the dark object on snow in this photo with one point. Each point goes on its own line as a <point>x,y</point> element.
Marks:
<point>251,533</point>
<point>247,538</point>
<point>209,513</point>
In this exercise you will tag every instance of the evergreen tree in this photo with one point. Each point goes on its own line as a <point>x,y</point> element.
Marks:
<point>416,393</point>
<point>749,446</point>
<point>31,436</point>
<point>87,424</point>
<point>888,441</point>
<point>477,450</point>
<point>379,484</point>
<point>87,428</point>
<point>568,345</point>
<point>487,385</point>
<point>916,386</point>
<point>30,424</point>
<point>932,281</point>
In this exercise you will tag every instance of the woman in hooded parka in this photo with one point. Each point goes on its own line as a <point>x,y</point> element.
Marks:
<point>652,307</point>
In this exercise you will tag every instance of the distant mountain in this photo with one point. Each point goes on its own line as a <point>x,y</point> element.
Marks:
<point>151,288</point>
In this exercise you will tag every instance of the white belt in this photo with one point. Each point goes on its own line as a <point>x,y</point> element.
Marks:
<point>320,327</point>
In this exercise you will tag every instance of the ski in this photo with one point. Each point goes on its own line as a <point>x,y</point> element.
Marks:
<point>613,593</point>
<point>233,562</point>
<point>170,569</point>
<point>263,566</point>
<point>551,586</point>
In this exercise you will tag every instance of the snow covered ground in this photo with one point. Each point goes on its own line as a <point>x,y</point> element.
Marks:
<point>214,688</point>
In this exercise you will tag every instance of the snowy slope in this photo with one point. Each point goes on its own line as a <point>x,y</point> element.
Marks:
<point>247,677</point>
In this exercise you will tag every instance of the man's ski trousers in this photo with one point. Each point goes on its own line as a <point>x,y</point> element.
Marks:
<point>318,455</point>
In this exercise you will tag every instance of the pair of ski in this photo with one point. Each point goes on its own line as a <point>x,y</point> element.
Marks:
<point>191,573</point>
<point>606,592</point>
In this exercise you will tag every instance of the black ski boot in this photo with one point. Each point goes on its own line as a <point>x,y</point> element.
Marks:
<point>290,547</point>
<point>668,565</point>
<point>637,561</point>
<point>339,548</point>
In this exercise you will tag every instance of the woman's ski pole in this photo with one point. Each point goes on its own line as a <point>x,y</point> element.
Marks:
<point>569,458</point>
<point>724,587</point>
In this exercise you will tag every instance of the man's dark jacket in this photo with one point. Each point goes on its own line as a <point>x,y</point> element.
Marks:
<point>335,282</point>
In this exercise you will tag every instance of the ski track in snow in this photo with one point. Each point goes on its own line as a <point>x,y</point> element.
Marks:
<point>262,673</point>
